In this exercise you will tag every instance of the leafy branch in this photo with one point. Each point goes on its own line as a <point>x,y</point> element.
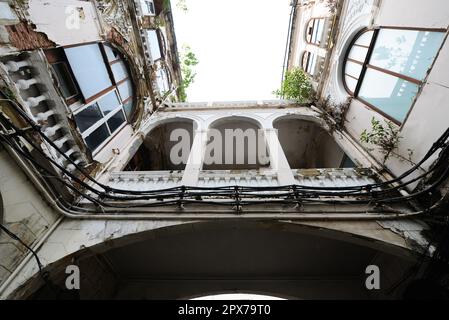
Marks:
<point>385,137</point>
<point>188,61</point>
<point>296,86</point>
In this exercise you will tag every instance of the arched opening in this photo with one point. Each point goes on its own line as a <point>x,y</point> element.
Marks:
<point>185,261</point>
<point>315,31</point>
<point>235,143</point>
<point>307,145</point>
<point>157,152</point>
<point>237,296</point>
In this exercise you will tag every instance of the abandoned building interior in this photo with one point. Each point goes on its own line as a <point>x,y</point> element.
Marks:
<point>91,118</point>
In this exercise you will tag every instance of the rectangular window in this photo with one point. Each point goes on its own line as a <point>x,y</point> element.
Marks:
<point>97,137</point>
<point>116,121</point>
<point>109,102</point>
<point>88,117</point>
<point>155,50</point>
<point>119,71</point>
<point>148,8</point>
<point>98,121</point>
<point>65,81</point>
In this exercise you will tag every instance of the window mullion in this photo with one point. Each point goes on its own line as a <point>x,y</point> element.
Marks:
<point>367,59</point>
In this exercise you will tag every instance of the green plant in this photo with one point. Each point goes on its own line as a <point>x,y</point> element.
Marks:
<point>181,5</point>
<point>188,61</point>
<point>296,86</point>
<point>385,137</point>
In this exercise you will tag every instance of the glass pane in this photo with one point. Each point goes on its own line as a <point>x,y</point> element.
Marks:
<point>353,69</point>
<point>97,137</point>
<point>67,86</point>
<point>358,53</point>
<point>119,71</point>
<point>154,45</point>
<point>89,116</point>
<point>109,102</point>
<point>129,109</point>
<point>318,31</point>
<point>311,64</point>
<point>116,121</point>
<point>351,83</point>
<point>111,53</point>
<point>89,69</point>
<point>125,90</point>
<point>162,81</point>
<point>408,52</point>
<point>365,38</point>
<point>389,94</point>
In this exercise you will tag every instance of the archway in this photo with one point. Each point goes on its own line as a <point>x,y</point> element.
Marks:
<point>154,153</point>
<point>307,145</point>
<point>241,142</point>
<point>274,258</point>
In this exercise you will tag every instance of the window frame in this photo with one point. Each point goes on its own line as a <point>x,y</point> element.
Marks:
<point>366,65</point>
<point>310,54</point>
<point>103,120</point>
<point>81,103</point>
<point>307,34</point>
<point>57,56</point>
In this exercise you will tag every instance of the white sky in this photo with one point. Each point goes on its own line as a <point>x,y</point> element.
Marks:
<point>239,44</point>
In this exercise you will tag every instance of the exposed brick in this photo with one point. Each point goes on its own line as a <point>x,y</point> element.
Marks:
<point>23,37</point>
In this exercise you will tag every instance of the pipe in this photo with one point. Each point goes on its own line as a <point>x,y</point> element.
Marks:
<point>210,215</point>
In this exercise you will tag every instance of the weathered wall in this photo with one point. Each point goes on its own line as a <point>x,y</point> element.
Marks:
<point>25,214</point>
<point>428,118</point>
<point>65,22</point>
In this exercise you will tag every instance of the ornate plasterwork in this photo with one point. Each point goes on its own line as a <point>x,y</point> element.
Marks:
<point>116,13</point>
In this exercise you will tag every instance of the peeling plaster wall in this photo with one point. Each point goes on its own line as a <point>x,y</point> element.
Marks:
<point>25,214</point>
<point>57,19</point>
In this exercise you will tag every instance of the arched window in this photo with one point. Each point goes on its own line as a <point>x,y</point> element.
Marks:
<point>309,62</point>
<point>315,30</point>
<point>385,68</point>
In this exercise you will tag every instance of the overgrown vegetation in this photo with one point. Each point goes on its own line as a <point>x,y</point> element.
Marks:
<point>296,86</point>
<point>386,137</point>
<point>334,113</point>
<point>188,62</point>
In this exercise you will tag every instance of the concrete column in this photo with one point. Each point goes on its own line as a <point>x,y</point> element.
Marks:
<point>278,160</point>
<point>196,158</point>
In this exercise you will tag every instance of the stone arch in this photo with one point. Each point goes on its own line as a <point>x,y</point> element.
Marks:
<point>245,256</point>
